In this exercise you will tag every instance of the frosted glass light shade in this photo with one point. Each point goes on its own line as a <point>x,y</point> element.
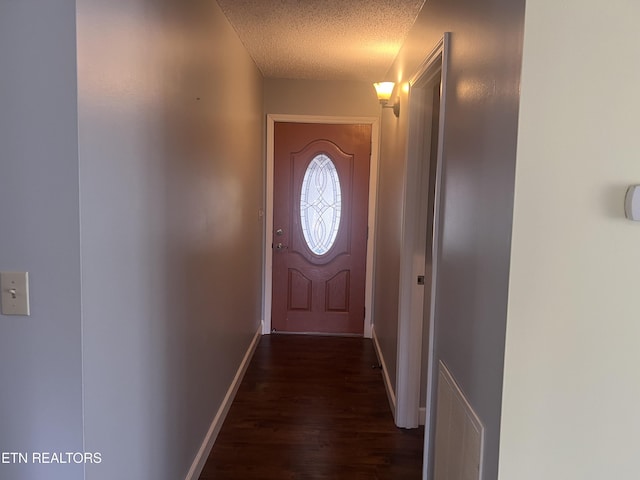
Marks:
<point>384,90</point>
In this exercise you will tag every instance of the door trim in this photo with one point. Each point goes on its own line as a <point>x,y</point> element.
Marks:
<point>411,309</point>
<point>373,195</point>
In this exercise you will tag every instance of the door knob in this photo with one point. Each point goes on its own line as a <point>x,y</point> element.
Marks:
<point>280,246</point>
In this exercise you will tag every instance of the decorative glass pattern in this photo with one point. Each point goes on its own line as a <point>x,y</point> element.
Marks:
<point>320,204</point>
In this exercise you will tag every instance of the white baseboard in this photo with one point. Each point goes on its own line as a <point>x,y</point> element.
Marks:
<point>387,382</point>
<point>216,425</point>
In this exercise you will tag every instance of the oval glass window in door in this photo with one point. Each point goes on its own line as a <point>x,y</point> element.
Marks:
<point>320,204</point>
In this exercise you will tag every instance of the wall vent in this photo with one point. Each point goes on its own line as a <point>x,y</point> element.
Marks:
<point>459,433</point>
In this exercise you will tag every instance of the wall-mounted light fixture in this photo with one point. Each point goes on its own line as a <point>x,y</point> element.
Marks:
<point>384,91</point>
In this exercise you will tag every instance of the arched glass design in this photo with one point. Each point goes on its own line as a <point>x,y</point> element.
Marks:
<point>320,204</point>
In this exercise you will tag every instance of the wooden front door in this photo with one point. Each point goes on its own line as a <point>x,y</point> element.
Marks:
<point>321,191</point>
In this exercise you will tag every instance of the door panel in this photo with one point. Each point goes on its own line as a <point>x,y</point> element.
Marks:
<point>318,272</point>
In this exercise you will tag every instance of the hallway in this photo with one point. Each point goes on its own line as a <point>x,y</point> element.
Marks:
<point>313,407</point>
<point>135,177</point>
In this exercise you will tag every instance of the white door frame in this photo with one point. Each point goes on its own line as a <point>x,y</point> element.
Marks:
<point>373,195</point>
<point>411,308</point>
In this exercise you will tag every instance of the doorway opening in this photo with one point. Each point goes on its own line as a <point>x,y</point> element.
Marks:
<point>420,246</point>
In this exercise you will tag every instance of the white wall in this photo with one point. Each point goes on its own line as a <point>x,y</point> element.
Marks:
<point>171,183</point>
<point>40,355</point>
<point>572,383</point>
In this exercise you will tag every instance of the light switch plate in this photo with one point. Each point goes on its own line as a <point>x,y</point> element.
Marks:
<point>14,287</point>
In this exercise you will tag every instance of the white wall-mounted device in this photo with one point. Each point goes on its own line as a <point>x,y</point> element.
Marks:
<point>632,203</point>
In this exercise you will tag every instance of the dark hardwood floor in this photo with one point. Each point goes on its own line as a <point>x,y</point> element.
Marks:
<point>312,407</point>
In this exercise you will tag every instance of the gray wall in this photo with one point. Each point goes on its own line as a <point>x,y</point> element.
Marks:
<point>320,97</point>
<point>479,156</point>
<point>171,174</point>
<point>40,355</point>
<point>389,237</point>
<point>145,248</point>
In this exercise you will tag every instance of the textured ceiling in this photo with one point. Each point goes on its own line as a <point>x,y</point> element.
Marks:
<point>322,39</point>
